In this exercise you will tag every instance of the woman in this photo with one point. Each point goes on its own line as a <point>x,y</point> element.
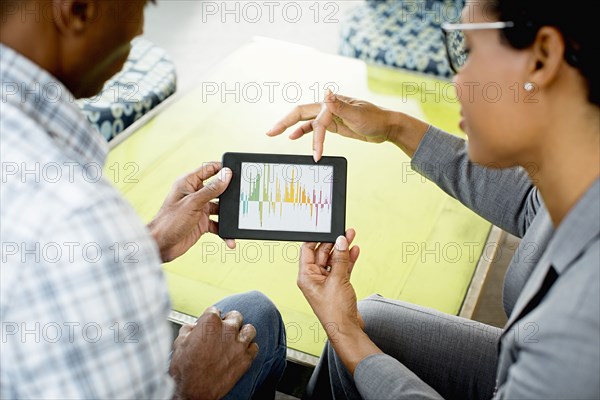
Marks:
<point>545,136</point>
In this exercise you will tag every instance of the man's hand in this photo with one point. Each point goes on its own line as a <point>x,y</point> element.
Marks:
<point>185,214</point>
<point>212,355</point>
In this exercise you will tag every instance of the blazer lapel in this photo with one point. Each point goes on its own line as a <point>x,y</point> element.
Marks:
<point>579,228</point>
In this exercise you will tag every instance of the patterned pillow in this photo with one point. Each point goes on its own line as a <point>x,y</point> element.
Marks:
<point>147,78</point>
<point>400,33</point>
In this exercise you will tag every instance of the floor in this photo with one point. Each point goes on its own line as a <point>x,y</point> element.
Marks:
<point>198,34</point>
<point>489,308</point>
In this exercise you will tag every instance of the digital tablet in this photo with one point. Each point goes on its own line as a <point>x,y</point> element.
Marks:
<point>283,197</point>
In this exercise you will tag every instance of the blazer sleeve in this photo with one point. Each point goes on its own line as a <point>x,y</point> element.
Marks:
<point>380,377</point>
<point>505,197</point>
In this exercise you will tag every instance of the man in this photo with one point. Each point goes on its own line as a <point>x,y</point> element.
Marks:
<point>83,299</point>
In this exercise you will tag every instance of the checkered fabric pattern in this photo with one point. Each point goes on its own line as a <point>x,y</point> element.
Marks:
<point>83,299</point>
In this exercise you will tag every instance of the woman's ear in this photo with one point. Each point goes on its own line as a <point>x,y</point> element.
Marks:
<point>548,51</point>
<point>74,16</point>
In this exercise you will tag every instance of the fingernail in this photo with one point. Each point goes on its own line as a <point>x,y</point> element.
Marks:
<point>341,244</point>
<point>315,156</point>
<point>223,175</point>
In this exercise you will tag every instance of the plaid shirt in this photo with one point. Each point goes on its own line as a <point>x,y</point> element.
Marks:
<point>83,299</point>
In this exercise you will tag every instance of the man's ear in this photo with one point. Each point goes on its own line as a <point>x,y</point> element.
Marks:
<point>548,52</point>
<point>74,16</point>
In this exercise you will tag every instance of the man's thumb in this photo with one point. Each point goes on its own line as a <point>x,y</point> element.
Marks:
<point>213,188</point>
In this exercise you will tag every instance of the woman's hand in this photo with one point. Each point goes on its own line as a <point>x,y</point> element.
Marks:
<point>356,119</point>
<point>324,279</point>
<point>185,214</point>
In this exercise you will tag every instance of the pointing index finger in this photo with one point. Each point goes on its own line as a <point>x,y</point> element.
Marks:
<point>320,125</point>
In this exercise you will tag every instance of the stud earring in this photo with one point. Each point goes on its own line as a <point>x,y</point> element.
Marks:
<point>528,86</point>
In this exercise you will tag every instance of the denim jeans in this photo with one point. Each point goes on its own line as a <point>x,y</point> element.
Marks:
<point>261,380</point>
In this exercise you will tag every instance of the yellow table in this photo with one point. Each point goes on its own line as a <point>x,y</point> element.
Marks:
<point>417,244</point>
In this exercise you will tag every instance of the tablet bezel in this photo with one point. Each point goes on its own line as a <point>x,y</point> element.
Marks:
<point>229,201</point>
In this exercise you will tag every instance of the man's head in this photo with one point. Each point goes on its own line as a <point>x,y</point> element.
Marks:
<point>81,42</point>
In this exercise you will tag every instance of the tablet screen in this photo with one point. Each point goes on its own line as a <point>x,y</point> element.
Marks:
<point>283,197</point>
<point>286,197</point>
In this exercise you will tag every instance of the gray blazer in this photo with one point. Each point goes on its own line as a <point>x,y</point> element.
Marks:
<point>550,347</point>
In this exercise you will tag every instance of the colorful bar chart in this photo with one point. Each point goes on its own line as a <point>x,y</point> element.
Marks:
<point>286,197</point>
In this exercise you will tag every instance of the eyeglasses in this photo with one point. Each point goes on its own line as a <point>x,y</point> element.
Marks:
<point>455,40</point>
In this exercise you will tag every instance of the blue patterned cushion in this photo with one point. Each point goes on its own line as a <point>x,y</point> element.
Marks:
<point>147,78</point>
<point>399,33</point>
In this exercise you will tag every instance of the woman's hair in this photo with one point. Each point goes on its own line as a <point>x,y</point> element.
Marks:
<point>577,23</point>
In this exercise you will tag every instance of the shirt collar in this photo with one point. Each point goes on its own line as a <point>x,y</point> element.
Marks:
<point>580,227</point>
<point>44,99</point>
